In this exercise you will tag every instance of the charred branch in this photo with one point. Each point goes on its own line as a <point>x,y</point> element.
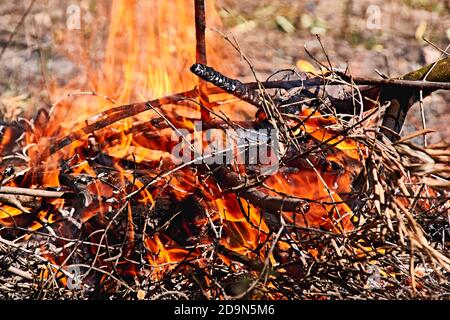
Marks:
<point>403,98</point>
<point>231,180</point>
<point>232,86</point>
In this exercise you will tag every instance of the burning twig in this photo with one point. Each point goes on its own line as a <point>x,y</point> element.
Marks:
<point>235,87</point>
<point>200,26</point>
<point>231,180</point>
<point>200,55</point>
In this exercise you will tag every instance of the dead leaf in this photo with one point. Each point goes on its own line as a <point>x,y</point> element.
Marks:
<point>305,66</point>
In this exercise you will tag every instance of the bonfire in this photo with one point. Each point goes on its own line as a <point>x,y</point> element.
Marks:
<point>299,186</point>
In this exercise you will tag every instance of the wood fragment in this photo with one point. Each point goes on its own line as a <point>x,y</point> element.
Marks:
<point>230,179</point>
<point>200,56</point>
<point>402,99</point>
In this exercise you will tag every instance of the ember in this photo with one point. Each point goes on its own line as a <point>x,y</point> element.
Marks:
<point>218,188</point>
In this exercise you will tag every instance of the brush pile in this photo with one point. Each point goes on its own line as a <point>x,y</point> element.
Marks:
<point>339,206</point>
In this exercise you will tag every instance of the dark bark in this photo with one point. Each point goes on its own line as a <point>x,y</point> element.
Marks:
<point>402,99</point>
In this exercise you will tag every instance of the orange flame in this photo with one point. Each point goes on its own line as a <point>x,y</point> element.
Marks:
<point>149,48</point>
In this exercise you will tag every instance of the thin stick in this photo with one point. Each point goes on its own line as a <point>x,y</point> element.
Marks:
<point>200,55</point>
<point>290,84</point>
<point>200,25</point>
<point>20,273</point>
<point>422,115</point>
<point>31,192</point>
<point>432,85</point>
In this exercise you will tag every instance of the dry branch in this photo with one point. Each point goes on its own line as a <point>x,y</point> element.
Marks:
<point>232,86</point>
<point>230,179</point>
<point>402,99</point>
<point>200,55</point>
<point>116,114</point>
<point>32,192</point>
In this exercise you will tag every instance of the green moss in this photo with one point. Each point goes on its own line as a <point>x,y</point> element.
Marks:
<point>429,5</point>
<point>439,73</point>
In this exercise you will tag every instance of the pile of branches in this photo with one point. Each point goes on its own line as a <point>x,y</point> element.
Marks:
<point>394,243</point>
<point>382,231</point>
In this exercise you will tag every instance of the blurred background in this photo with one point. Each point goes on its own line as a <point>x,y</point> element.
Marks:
<point>363,35</point>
